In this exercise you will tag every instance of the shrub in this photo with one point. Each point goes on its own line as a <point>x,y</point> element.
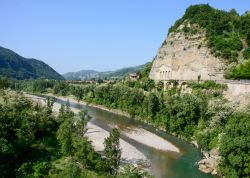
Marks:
<point>234,147</point>
<point>246,53</point>
<point>239,72</point>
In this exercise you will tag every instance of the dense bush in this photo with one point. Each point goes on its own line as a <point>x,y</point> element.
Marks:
<point>61,88</point>
<point>235,147</point>
<point>246,53</point>
<point>181,114</point>
<point>26,134</point>
<point>4,83</point>
<point>248,38</point>
<point>208,84</point>
<point>34,144</point>
<point>226,46</point>
<point>239,72</point>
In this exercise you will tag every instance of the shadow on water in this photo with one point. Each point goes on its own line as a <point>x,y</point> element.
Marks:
<point>163,164</point>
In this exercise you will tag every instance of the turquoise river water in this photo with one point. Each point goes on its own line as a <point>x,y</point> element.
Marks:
<point>163,164</point>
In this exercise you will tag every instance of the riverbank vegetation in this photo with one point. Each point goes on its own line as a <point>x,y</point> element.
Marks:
<point>34,142</point>
<point>201,114</point>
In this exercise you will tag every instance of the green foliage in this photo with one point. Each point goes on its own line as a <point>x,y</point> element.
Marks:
<point>41,85</point>
<point>182,113</point>
<point>64,136</point>
<point>239,72</point>
<point>145,72</point>
<point>224,30</point>
<point>49,104</point>
<point>71,170</point>
<point>61,88</point>
<point>29,145</point>
<point>33,170</point>
<point>131,171</point>
<point>217,115</point>
<point>235,148</point>
<point>201,115</point>
<point>112,151</point>
<point>26,134</point>
<point>77,92</point>
<point>151,105</point>
<point>226,46</point>
<point>17,67</point>
<point>248,38</point>
<point>207,139</point>
<point>208,84</point>
<point>4,82</point>
<point>33,143</point>
<point>246,53</point>
<point>143,83</point>
<point>160,86</point>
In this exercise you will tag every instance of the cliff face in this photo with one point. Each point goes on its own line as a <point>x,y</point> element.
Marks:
<point>185,56</point>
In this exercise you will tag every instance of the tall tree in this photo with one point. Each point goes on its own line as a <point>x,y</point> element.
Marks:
<point>4,82</point>
<point>64,136</point>
<point>112,151</point>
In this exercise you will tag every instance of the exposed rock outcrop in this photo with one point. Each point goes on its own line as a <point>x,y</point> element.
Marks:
<point>185,56</point>
<point>210,163</point>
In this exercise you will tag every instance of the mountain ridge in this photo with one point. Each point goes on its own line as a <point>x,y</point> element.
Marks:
<point>90,74</point>
<point>15,66</point>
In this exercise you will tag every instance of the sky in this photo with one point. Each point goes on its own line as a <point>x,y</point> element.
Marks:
<point>72,35</point>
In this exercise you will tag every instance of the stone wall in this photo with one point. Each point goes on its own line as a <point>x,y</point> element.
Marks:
<point>237,89</point>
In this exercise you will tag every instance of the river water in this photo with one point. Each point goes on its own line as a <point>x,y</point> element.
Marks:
<point>163,164</point>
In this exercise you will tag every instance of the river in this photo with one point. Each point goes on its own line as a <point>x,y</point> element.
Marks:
<point>164,164</point>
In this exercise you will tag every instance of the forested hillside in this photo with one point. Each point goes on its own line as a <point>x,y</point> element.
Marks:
<point>15,66</point>
<point>228,35</point>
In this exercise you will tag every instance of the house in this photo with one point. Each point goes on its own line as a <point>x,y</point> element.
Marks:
<point>134,76</point>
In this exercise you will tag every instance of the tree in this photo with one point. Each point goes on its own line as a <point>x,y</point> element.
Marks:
<point>151,105</point>
<point>49,103</point>
<point>248,38</point>
<point>33,170</point>
<point>112,151</point>
<point>81,123</point>
<point>84,152</point>
<point>4,83</point>
<point>71,170</point>
<point>64,136</point>
<point>235,147</point>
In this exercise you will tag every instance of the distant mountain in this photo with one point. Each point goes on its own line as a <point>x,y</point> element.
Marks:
<point>90,74</point>
<point>15,66</point>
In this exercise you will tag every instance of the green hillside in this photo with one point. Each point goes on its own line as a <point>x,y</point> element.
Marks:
<point>228,35</point>
<point>15,66</point>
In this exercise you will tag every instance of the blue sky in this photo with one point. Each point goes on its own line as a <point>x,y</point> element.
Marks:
<point>93,34</point>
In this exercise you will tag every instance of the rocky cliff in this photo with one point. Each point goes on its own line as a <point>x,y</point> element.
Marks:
<point>185,56</point>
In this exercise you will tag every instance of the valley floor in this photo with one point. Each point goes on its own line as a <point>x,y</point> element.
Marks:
<point>129,153</point>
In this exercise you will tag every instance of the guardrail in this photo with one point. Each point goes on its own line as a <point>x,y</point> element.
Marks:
<point>246,82</point>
